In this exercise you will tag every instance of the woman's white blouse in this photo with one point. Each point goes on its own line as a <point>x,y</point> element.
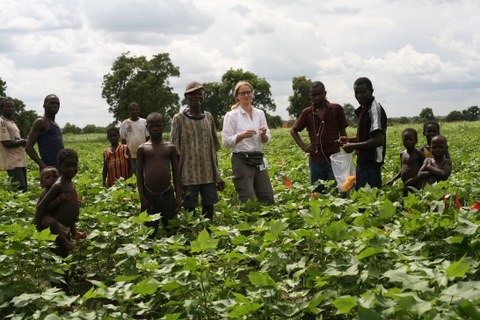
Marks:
<point>238,121</point>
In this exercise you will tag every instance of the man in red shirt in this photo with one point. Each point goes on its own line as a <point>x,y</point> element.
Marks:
<point>325,123</point>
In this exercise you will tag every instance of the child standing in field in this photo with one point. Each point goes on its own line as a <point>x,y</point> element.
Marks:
<point>59,208</point>
<point>157,163</point>
<point>430,130</point>
<point>117,162</point>
<point>411,160</point>
<point>133,132</point>
<point>439,167</point>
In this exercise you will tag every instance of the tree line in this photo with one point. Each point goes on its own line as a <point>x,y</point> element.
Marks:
<point>147,82</point>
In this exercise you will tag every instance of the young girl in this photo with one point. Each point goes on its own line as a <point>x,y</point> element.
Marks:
<point>117,162</point>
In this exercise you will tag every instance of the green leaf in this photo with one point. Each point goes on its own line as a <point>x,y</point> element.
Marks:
<point>344,304</point>
<point>203,242</point>
<point>466,227</point>
<point>142,218</point>
<point>44,235</point>
<point>408,281</point>
<point>467,308</point>
<point>370,251</point>
<point>261,279</point>
<point>367,314</point>
<point>458,268</point>
<point>129,249</point>
<point>146,287</point>
<point>336,231</point>
<point>244,309</point>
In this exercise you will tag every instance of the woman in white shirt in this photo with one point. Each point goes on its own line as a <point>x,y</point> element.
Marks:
<point>245,131</point>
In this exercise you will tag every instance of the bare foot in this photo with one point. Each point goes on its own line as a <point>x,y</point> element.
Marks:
<point>79,235</point>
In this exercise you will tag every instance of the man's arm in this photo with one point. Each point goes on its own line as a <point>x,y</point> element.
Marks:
<point>299,141</point>
<point>375,141</point>
<point>14,143</point>
<point>39,126</point>
<point>177,182</point>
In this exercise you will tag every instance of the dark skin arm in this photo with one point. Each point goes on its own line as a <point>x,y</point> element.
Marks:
<point>130,164</point>
<point>428,169</point>
<point>299,141</point>
<point>177,182</point>
<point>375,141</point>
<point>49,201</point>
<point>14,143</point>
<point>105,171</point>
<point>309,148</point>
<point>39,126</point>
<point>396,177</point>
<point>141,179</point>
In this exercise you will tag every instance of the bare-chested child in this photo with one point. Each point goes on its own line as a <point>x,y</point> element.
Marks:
<point>437,168</point>
<point>58,209</point>
<point>431,129</point>
<point>157,162</point>
<point>411,160</point>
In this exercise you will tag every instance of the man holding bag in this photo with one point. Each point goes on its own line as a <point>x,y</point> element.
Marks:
<point>370,143</point>
<point>325,123</point>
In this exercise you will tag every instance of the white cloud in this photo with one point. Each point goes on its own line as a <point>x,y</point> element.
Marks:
<point>417,53</point>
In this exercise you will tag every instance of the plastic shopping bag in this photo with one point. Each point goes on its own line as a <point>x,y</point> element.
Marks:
<point>344,170</point>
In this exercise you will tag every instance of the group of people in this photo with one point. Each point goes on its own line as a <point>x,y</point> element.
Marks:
<point>189,159</point>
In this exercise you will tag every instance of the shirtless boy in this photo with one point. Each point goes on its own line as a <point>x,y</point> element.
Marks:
<point>63,197</point>
<point>439,167</point>
<point>411,160</point>
<point>157,163</point>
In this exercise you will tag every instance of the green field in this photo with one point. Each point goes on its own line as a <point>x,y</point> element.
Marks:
<point>373,255</point>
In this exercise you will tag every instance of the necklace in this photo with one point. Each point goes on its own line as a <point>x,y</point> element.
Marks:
<point>318,133</point>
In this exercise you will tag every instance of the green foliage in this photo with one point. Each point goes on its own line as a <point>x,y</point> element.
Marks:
<point>349,111</point>
<point>454,115</point>
<point>219,98</point>
<point>71,128</point>
<point>143,81</point>
<point>426,114</point>
<point>372,255</point>
<point>301,96</point>
<point>472,113</point>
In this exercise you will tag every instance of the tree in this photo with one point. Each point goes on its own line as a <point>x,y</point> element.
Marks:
<point>404,120</point>
<point>91,128</point>
<point>426,114</point>
<point>22,117</point>
<point>71,128</point>
<point>471,114</point>
<point>301,96</point>
<point>273,121</point>
<point>143,81</point>
<point>454,115</point>
<point>262,95</point>
<point>215,101</point>
<point>219,96</point>
<point>349,111</point>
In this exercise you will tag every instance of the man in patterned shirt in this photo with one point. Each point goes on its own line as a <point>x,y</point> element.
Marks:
<point>194,134</point>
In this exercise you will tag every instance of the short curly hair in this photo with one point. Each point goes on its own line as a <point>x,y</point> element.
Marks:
<point>66,154</point>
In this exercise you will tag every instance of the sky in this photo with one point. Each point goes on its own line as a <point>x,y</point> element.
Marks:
<point>418,53</point>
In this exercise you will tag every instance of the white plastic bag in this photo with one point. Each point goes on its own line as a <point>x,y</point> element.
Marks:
<point>344,170</point>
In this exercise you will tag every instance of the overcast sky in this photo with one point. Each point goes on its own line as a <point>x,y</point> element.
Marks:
<point>418,53</point>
